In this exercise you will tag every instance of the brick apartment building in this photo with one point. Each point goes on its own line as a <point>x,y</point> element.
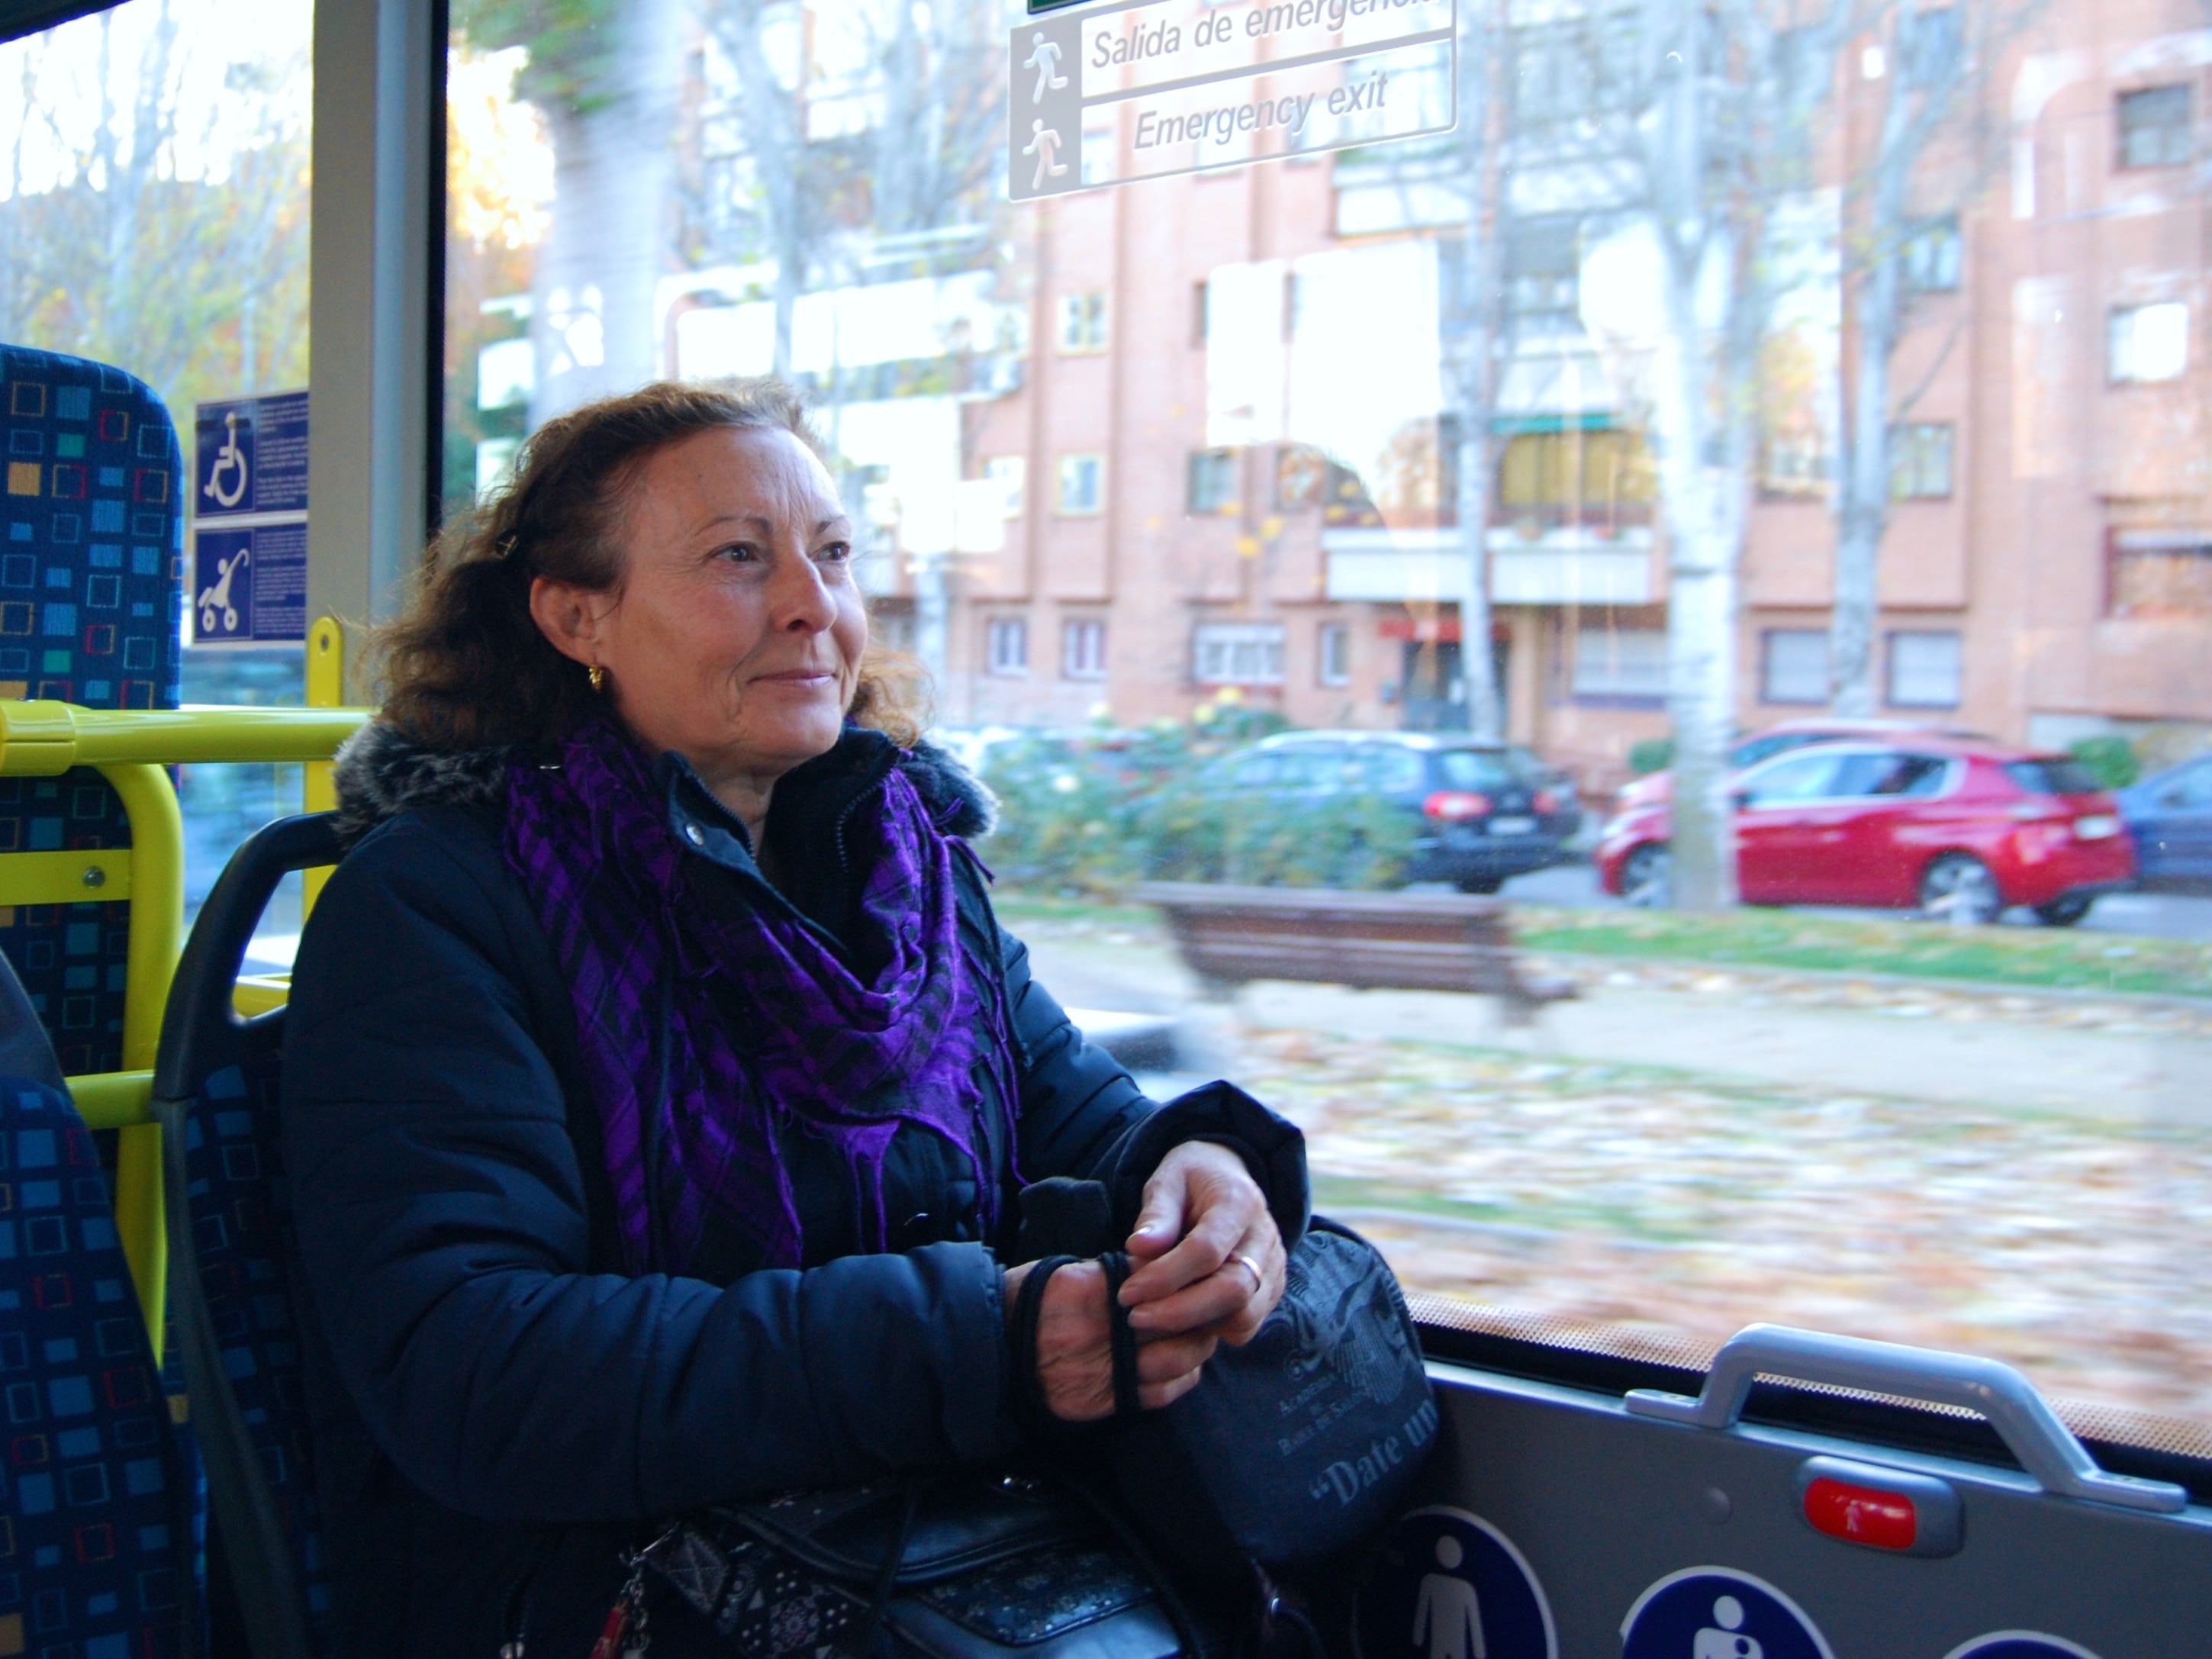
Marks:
<point>2047,573</point>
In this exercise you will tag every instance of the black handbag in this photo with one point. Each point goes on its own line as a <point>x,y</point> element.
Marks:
<point>1302,1443</point>
<point>968,1566</point>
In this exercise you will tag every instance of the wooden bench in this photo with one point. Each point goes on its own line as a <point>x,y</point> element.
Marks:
<point>1229,936</point>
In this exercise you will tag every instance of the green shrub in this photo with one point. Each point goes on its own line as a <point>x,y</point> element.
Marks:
<point>1649,755</point>
<point>2111,760</point>
<point>1093,813</point>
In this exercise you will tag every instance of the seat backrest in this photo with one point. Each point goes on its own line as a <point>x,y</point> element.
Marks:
<point>97,1496</point>
<point>91,584</point>
<point>234,1280</point>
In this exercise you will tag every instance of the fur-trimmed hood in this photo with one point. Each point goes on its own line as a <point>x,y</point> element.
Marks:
<point>380,773</point>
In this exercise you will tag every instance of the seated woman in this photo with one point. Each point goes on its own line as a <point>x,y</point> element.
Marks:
<point>657,1085</point>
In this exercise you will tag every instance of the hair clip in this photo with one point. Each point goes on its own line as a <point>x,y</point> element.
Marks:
<point>504,546</point>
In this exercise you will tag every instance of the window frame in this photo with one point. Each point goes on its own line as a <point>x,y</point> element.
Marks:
<point>1083,323</point>
<point>1768,638</point>
<point>1004,665</point>
<point>1903,440</point>
<point>1958,638</point>
<point>1220,469</point>
<point>1269,638</point>
<point>1333,641</point>
<point>2113,378</point>
<point>1075,662</point>
<point>1096,503</point>
<point>2121,131</point>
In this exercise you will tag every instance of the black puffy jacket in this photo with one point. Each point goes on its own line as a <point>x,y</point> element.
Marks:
<point>498,1408</point>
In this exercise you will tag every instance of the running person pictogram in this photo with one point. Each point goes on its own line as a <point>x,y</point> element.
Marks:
<point>1044,59</point>
<point>1044,144</point>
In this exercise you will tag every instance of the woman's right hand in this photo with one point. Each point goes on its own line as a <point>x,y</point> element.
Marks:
<point>1074,1351</point>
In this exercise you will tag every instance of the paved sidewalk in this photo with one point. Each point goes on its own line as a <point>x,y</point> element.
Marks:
<point>2106,1058</point>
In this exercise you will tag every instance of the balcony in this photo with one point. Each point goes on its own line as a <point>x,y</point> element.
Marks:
<point>1532,562</point>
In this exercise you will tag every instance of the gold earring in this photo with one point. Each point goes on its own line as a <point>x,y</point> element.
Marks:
<point>598,676</point>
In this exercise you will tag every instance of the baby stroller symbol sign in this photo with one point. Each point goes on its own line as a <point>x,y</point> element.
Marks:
<point>1449,1585</point>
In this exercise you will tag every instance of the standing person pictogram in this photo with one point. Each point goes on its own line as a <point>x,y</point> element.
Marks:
<point>1448,1615</point>
<point>1044,59</point>
<point>1044,144</point>
<point>1447,1584</point>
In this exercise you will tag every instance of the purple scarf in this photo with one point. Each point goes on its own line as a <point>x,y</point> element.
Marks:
<point>690,1110</point>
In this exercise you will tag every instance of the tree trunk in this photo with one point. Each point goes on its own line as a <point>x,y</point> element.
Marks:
<point>1862,497</point>
<point>1474,310</point>
<point>593,289</point>
<point>1704,490</point>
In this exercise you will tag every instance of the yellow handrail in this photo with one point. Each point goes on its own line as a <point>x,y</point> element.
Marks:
<point>40,737</point>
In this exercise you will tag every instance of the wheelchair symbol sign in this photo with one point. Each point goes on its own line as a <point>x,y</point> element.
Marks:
<point>230,469</point>
<point>1449,1585</point>
<point>2020,1644</point>
<point>1717,1612</point>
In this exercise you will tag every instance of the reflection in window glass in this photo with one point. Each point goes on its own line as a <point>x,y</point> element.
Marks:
<point>1542,553</point>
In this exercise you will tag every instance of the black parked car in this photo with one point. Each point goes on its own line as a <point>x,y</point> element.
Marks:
<point>1485,811</point>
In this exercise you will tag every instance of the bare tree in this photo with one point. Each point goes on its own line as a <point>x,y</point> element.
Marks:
<point>604,75</point>
<point>1721,134</point>
<point>1930,61</point>
<point>927,80</point>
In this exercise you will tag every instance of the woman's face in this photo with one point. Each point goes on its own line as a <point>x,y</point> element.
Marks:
<point>735,636</point>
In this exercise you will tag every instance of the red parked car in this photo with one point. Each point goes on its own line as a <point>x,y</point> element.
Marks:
<point>1962,829</point>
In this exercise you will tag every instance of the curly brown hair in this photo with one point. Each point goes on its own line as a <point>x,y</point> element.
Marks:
<point>465,666</point>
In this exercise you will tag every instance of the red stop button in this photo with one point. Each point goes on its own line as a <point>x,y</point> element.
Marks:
<point>1862,1514</point>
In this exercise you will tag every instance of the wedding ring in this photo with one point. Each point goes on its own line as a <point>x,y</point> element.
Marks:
<point>1259,1280</point>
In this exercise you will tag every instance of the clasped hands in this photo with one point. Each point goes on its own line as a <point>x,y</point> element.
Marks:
<point>1188,1290</point>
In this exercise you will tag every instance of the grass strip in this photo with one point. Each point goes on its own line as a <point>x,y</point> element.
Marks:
<point>2030,957</point>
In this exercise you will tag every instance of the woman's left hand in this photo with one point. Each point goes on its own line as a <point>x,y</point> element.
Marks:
<point>1202,1231</point>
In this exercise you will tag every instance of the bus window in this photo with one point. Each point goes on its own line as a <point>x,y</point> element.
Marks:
<point>1467,365</point>
<point>153,215</point>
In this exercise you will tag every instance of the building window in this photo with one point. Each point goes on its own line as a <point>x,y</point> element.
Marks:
<point>1930,44</point>
<point>1793,665</point>
<point>1082,324</point>
<point>1931,258</point>
<point>1924,671</point>
<point>1006,645</point>
<point>1082,484</point>
<point>1920,461</point>
<point>2162,573</point>
<point>1098,157</point>
<point>1237,654</point>
<point>1211,482</point>
<point>2154,127</point>
<point>1600,477</point>
<point>2146,344</point>
<point>1333,660</point>
<point>1621,663</point>
<point>1011,473</point>
<point>1201,312</point>
<point>1082,649</point>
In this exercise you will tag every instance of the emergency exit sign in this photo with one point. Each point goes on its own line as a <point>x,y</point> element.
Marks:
<point>1152,88</point>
